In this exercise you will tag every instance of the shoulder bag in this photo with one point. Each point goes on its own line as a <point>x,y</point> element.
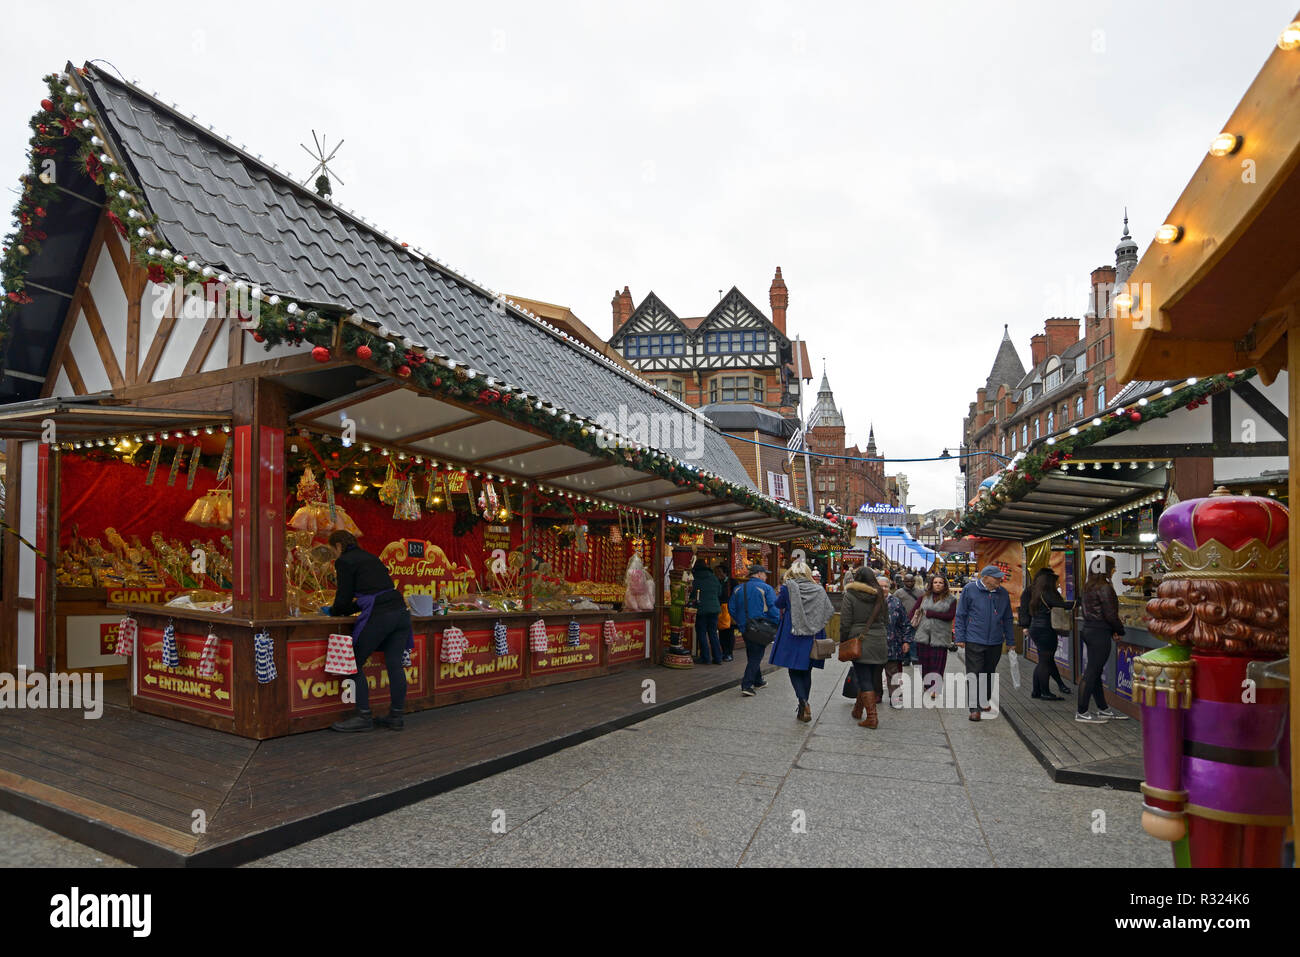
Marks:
<point>851,648</point>
<point>760,631</point>
<point>1061,620</point>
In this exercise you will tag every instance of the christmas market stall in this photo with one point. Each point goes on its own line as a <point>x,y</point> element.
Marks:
<point>1219,291</point>
<point>208,367</point>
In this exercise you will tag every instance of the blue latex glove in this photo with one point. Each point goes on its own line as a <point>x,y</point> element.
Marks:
<point>325,609</point>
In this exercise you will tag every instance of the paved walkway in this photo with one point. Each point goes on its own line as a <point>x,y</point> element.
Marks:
<point>729,781</point>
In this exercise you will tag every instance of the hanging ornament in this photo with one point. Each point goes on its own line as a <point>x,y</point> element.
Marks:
<point>153,464</point>
<point>223,467</point>
<point>437,500</point>
<point>404,371</point>
<point>392,487</point>
<point>177,461</point>
<point>407,508</point>
<point>264,658</point>
<point>194,467</point>
<point>500,642</point>
<point>363,352</point>
<point>208,657</point>
<point>171,658</point>
<point>329,497</point>
<point>321,354</point>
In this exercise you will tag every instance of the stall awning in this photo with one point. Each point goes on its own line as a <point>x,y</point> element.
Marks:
<point>89,418</point>
<point>395,416</point>
<point>1065,499</point>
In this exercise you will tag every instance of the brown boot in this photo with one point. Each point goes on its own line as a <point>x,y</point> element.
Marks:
<point>872,719</point>
<point>859,704</point>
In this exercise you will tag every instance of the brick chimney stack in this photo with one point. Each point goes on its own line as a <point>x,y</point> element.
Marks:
<point>622,304</point>
<point>780,299</point>
<point>1037,349</point>
<point>1103,282</point>
<point>1061,334</point>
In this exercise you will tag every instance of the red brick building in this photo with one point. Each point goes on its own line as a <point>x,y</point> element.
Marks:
<point>1070,379</point>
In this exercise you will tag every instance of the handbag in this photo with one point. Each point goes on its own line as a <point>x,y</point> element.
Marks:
<point>760,631</point>
<point>1061,619</point>
<point>850,689</point>
<point>851,648</point>
<point>823,649</point>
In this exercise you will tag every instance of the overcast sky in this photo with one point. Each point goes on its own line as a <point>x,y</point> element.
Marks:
<point>923,173</point>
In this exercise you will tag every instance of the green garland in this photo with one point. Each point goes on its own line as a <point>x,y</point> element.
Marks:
<point>1016,483</point>
<point>59,128</point>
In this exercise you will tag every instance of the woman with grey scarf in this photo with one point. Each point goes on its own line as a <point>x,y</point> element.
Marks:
<point>805,612</point>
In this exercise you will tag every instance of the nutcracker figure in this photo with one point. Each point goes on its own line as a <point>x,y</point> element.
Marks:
<point>1214,705</point>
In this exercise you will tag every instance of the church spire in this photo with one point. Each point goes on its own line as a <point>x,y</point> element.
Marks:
<point>1126,254</point>
<point>825,413</point>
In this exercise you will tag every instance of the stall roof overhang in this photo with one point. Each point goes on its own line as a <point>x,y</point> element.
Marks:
<point>1218,299</point>
<point>396,416</point>
<point>1062,500</point>
<point>87,417</point>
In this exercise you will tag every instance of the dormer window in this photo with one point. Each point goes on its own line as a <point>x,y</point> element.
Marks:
<point>1053,374</point>
<point>1029,393</point>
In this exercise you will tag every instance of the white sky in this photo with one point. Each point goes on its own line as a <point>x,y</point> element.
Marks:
<point>923,173</point>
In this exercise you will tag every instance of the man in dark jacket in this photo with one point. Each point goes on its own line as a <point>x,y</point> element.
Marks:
<point>384,624</point>
<point>984,623</point>
<point>753,598</point>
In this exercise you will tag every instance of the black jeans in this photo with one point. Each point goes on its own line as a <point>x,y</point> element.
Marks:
<point>753,661</point>
<point>869,678</point>
<point>706,635</point>
<point>1096,638</point>
<point>801,681</point>
<point>727,636</point>
<point>386,631</point>
<point>982,662</point>
<point>1045,642</point>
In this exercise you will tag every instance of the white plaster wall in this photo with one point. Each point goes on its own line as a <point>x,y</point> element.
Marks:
<point>110,300</point>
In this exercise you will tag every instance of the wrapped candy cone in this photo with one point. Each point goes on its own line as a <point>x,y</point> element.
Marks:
<point>575,634</point>
<point>537,640</point>
<point>171,658</point>
<point>609,630</point>
<point>500,643</point>
<point>208,658</point>
<point>340,658</point>
<point>264,657</point>
<point>127,631</point>
<point>454,644</point>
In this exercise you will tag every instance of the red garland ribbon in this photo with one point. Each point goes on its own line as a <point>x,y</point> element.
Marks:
<point>117,223</point>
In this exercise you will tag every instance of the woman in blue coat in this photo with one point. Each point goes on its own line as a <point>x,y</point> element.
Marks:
<point>805,611</point>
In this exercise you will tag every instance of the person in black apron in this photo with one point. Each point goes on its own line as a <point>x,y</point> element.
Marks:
<point>384,625</point>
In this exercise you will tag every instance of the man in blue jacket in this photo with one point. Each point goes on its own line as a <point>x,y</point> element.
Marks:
<point>984,623</point>
<point>753,598</point>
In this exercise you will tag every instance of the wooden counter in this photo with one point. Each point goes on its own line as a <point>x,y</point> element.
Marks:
<point>303,697</point>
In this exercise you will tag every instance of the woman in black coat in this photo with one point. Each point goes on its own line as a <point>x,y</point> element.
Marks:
<point>1037,605</point>
<point>384,624</point>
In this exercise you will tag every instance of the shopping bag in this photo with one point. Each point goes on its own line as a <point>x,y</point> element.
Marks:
<point>1013,665</point>
<point>208,657</point>
<point>340,659</point>
<point>500,640</point>
<point>850,689</point>
<point>537,639</point>
<point>264,658</point>
<point>454,644</point>
<point>609,631</point>
<point>127,631</point>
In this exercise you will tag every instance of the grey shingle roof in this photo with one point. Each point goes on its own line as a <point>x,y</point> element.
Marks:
<point>1007,367</point>
<point>227,210</point>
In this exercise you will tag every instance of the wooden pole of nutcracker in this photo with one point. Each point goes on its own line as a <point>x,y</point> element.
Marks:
<point>661,599</point>
<point>529,543</point>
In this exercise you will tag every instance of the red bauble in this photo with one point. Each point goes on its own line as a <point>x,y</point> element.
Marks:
<point>1135,416</point>
<point>437,382</point>
<point>258,337</point>
<point>404,371</point>
<point>363,352</point>
<point>320,354</point>
<point>47,106</point>
<point>1232,375</point>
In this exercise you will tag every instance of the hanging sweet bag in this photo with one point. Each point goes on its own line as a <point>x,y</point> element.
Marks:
<point>575,634</point>
<point>171,657</point>
<point>264,658</point>
<point>208,657</point>
<point>610,631</point>
<point>454,644</point>
<point>500,641</point>
<point>537,638</point>
<point>340,658</point>
<point>127,631</point>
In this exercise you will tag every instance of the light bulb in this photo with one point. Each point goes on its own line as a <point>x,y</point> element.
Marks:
<point>1289,40</point>
<point>1169,233</point>
<point>1225,144</point>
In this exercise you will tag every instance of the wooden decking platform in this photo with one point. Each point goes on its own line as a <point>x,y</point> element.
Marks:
<point>130,784</point>
<point>1107,755</point>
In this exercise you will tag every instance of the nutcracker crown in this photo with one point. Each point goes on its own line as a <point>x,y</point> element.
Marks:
<point>1225,536</point>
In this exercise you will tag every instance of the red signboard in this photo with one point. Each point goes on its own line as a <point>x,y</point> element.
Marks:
<point>560,656</point>
<point>108,637</point>
<point>630,643</point>
<point>183,684</point>
<point>313,690</point>
<point>480,664</point>
<point>419,567</point>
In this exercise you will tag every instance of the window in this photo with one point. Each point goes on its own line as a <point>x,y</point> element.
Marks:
<point>646,347</point>
<point>1004,445</point>
<point>1036,429</point>
<point>735,340</point>
<point>830,483</point>
<point>1080,362</point>
<point>672,386</point>
<point>760,391</point>
<point>1078,407</point>
<point>1013,440</point>
<point>1024,434</point>
<point>821,484</point>
<point>1101,398</point>
<point>1029,393</point>
<point>732,388</point>
<point>1051,423</point>
<point>1053,380</point>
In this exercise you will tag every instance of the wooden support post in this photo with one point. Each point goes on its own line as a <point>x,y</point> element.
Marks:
<point>1293,544</point>
<point>12,550</point>
<point>529,543</point>
<point>661,598</point>
<point>258,471</point>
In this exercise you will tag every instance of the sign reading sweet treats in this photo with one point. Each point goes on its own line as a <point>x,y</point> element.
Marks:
<point>419,567</point>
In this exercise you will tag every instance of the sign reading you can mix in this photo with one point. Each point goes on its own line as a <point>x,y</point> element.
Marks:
<point>312,689</point>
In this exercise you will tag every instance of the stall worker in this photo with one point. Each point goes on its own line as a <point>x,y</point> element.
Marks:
<point>384,624</point>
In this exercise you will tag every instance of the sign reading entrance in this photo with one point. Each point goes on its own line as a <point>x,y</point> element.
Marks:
<point>561,656</point>
<point>183,685</point>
